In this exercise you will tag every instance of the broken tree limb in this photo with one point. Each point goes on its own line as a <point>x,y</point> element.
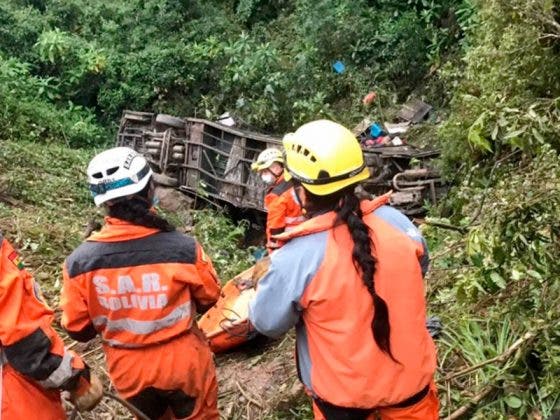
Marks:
<point>135,411</point>
<point>461,411</point>
<point>500,359</point>
<point>247,396</point>
<point>442,225</point>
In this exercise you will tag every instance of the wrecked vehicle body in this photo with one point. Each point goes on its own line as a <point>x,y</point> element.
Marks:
<point>212,161</point>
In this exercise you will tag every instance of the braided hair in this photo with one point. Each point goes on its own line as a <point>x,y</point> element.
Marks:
<point>346,205</point>
<point>136,209</point>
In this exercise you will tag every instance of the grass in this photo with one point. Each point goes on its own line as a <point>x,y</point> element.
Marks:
<point>45,205</point>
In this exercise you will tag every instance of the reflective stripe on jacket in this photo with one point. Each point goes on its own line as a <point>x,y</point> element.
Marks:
<point>313,284</point>
<point>136,286</point>
<point>28,343</point>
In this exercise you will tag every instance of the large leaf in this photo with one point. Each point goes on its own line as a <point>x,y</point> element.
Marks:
<point>475,136</point>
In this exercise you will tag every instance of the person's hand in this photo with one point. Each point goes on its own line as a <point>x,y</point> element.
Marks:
<point>87,394</point>
<point>238,328</point>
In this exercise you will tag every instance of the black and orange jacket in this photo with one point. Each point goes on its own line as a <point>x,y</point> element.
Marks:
<point>28,343</point>
<point>135,286</point>
<point>283,210</point>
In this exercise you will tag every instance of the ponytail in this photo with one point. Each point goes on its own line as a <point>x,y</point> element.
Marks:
<point>347,207</point>
<point>136,209</point>
<point>349,212</point>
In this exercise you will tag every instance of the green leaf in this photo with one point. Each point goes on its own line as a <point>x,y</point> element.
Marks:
<point>495,132</point>
<point>513,402</point>
<point>498,280</point>
<point>538,136</point>
<point>535,274</point>
<point>476,138</point>
<point>479,141</point>
<point>515,133</point>
<point>515,274</point>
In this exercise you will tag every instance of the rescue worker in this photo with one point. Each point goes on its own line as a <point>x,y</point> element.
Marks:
<point>139,284</point>
<point>350,280</point>
<point>34,365</point>
<point>281,203</point>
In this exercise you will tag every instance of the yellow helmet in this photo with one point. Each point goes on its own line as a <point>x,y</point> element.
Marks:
<point>266,158</point>
<point>325,157</point>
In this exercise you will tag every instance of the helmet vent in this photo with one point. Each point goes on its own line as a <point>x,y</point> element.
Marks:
<point>323,174</point>
<point>305,152</point>
<point>97,175</point>
<point>111,171</point>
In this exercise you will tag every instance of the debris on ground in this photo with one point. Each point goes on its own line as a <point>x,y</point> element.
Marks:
<point>259,379</point>
<point>414,111</point>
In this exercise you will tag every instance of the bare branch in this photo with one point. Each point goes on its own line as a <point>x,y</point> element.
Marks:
<point>461,411</point>
<point>499,359</point>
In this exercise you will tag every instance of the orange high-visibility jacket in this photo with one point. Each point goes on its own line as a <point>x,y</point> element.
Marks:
<point>34,364</point>
<point>283,210</point>
<point>313,284</point>
<point>140,289</point>
<point>135,286</point>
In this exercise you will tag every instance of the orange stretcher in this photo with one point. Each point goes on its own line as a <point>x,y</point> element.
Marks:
<point>226,323</point>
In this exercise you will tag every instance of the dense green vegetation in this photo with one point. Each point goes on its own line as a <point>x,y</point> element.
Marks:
<point>497,281</point>
<point>79,64</point>
<point>69,67</point>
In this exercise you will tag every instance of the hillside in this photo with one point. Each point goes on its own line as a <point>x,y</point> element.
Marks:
<point>490,68</point>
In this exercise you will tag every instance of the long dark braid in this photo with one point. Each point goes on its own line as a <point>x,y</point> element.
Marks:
<point>136,210</point>
<point>349,212</point>
<point>347,207</point>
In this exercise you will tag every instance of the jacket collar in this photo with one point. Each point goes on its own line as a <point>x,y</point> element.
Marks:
<point>325,221</point>
<point>116,230</point>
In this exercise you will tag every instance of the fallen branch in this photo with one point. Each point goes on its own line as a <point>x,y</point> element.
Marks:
<point>247,396</point>
<point>461,411</point>
<point>442,225</point>
<point>500,359</point>
<point>446,250</point>
<point>135,411</point>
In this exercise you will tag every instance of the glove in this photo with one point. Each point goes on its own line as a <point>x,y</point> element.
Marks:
<point>87,394</point>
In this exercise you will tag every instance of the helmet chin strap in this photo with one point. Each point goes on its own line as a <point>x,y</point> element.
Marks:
<point>276,175</point>
<point>298,199</point>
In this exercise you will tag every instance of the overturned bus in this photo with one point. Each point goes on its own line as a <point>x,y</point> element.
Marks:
<point>212,161</point>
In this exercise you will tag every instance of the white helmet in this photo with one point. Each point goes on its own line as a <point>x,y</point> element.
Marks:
<point>117,172</point>
<point>266,158</point>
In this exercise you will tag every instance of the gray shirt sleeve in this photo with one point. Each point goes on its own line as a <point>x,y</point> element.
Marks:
<point>276,307</point>
<point>399,221</point>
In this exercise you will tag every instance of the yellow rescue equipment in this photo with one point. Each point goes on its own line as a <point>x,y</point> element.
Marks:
<point>226,324</point>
